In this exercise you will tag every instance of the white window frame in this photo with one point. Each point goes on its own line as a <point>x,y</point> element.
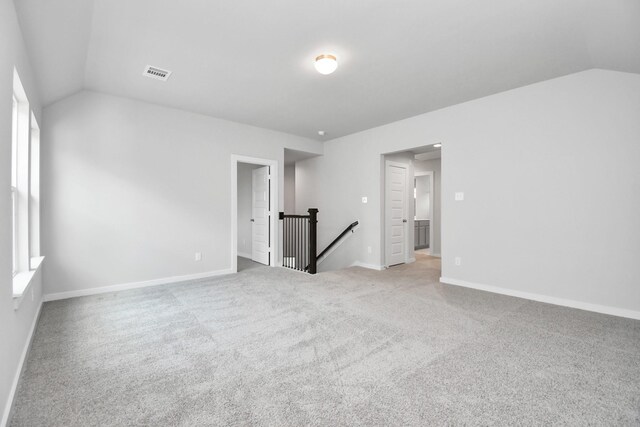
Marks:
<point>14,224</point>
<point>14,189</point>
<point>24,190</point>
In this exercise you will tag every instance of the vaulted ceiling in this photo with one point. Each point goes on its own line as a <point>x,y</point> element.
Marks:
<point>251,61</point>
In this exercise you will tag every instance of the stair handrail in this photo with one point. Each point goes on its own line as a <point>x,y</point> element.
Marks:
<point>311,244</point>
<point>337,239</point>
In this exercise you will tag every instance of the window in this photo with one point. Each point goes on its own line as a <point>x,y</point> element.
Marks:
<point>25,192</point>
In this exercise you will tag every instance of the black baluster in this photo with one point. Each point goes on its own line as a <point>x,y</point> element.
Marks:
<point>313,224</point>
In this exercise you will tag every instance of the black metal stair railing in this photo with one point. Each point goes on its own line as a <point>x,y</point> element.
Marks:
<point>299,235</point>
<point>299,238</point>
<point>337,239</point>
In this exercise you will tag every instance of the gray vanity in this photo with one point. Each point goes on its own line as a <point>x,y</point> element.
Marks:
<point>421,233</point>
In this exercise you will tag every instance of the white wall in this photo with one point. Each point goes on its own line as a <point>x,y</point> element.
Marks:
<point>434,165</point>
<point>15,325</point>
<point>245,201</point>
<point>551,180</point>
<point>290,189</point>
<point>133,190</point>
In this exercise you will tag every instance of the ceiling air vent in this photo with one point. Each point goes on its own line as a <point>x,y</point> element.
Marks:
<point>156,73</point>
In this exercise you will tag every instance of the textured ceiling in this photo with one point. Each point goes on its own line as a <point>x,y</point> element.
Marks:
<point>251,61</point>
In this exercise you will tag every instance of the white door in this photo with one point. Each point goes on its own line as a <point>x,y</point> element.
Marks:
<point>396,196</point>
<point>260,223</point>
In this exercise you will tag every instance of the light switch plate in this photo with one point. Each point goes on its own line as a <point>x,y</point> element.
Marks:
<point>459,196</point>
<point>364,200</point>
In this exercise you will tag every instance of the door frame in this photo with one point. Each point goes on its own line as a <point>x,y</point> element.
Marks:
<point>407,242</point>
<point>273,201</point>
<point>431,176</point>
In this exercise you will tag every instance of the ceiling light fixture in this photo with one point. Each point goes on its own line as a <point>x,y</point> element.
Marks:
<point>321,132</point>
<point>326,64</point>
<point>438,145</point>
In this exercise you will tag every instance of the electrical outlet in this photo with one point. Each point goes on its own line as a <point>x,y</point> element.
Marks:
<point>364,200</point>
<point>458,260</point>
<point>198,256</point>
<point>459,196</point>
<point>369,249</point>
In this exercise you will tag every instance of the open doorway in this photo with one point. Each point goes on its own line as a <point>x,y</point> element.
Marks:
<point>423,192</point>
<point>254,194</point>
<point>428,182</point>
<point>292,159</point>
<point>411,206</point>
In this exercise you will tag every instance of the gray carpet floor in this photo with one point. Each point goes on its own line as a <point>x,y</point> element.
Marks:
<point>270,346</point>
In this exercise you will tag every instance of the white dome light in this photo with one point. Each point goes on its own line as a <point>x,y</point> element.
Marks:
<point>326,64</point>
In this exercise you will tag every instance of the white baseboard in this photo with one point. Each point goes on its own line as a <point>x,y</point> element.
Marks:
<point>369,266</point>
<point>244,255</point>
<point>133,285</point>
<point>604,309</point>
<point>9,404</point>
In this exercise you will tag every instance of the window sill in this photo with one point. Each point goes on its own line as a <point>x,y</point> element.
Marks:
<point>22,281</point>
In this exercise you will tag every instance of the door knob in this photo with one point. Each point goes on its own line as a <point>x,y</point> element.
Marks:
<point>404,220</point>
<point>252,220</point>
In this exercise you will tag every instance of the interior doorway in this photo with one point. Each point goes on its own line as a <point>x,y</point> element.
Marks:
<point>410,208</point>
<point>254,212</point>
<point>292,161</point>
<point>428,184</point>
<point>423,193</point>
